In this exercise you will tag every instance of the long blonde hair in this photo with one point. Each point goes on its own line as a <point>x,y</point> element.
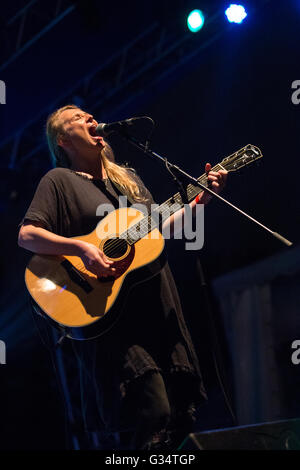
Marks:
<point>123,176</point>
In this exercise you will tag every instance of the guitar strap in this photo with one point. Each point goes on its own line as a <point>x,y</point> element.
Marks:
<point>121,192</point>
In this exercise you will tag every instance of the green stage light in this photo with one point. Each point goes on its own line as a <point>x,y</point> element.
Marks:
<point>195,21</point>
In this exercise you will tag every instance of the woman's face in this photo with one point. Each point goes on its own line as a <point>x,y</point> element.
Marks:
<point>79,132</point>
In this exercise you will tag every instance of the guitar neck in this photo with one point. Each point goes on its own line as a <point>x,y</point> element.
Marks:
<point>244,156</point>
<point>175,202</point>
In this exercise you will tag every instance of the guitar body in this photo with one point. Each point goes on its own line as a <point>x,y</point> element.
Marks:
<point>78,302</point>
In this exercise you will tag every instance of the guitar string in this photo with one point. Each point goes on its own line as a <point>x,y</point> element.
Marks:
<point>144,228</point>
<point>192,191</point>
<point>163,209</point>
<point>144,223</point>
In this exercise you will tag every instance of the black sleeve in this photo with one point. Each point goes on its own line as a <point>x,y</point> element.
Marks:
<point>44,205</point>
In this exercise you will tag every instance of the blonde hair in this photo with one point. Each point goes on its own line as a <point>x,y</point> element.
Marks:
<point>123,176</point>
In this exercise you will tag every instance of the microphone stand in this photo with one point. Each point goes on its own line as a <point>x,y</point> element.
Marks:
<point>183,174</point>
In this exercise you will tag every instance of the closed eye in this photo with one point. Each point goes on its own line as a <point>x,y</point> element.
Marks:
<point>77,116</point>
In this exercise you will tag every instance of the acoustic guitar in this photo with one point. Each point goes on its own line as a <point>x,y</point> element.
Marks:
<point>83,306</point>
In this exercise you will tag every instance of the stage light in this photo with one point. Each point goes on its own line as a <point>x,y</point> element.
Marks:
<point>195,21</point>
<point>235,13</point>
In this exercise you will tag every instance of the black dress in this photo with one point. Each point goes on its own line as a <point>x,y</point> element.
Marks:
<point>150,336</point>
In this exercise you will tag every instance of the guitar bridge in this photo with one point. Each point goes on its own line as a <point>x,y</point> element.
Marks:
<point>76,276</point>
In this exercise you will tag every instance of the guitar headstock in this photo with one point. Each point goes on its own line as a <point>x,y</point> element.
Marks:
<point>241,158</point>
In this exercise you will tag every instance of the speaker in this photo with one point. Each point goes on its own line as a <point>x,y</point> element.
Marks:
<point>276,435</point>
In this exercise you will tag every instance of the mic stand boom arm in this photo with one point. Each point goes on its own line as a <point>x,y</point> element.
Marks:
<point>174,168</point>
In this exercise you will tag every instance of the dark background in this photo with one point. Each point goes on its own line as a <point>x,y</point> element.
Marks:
<point>225,87</point>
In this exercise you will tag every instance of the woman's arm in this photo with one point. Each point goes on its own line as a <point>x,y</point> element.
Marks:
<point>33,237</point>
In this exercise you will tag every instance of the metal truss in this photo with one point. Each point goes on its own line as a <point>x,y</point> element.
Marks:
<point>29,24</point>
<point>140,64</point>
<point>131,72</point>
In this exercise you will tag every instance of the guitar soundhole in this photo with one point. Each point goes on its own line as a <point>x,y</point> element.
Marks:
<point>115,247</point>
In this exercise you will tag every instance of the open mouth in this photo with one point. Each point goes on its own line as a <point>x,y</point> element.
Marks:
<point>92,131</point>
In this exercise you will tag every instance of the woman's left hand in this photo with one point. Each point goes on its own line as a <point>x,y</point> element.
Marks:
<point>216,181</point>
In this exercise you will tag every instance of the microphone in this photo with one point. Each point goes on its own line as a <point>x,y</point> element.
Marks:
<point>104,129</point>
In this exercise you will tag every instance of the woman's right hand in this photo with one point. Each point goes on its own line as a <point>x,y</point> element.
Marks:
<point>95,260</point>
